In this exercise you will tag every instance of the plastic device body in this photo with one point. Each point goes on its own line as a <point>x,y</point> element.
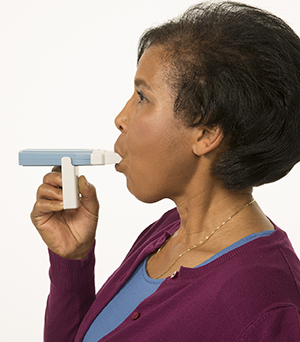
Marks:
<point>69,160</point>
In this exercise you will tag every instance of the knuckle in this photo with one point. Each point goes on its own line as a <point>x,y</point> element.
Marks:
<point>53,178</point>
<point>46,177</point>
<point>38,205</point>
<point>40,188</point>
<point>39,192</point>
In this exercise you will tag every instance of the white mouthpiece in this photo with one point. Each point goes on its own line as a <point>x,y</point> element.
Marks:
<point>102,157</point>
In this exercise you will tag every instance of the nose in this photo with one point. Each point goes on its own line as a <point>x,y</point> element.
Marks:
<point>121,120</point>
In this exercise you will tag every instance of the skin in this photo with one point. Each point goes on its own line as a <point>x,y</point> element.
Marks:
<point>68,233</point>
<point>161,158</point>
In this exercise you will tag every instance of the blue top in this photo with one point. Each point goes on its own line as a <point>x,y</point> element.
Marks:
<point>138,287</point>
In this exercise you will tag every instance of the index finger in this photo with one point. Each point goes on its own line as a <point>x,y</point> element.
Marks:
<point>53,178</point>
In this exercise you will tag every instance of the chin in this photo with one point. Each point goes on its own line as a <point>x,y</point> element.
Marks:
<point>143,195</point>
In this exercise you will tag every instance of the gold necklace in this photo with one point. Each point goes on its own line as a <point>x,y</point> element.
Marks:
<point>198,244</point>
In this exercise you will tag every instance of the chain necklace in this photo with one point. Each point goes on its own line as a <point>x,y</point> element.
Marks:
<point>197,244</point>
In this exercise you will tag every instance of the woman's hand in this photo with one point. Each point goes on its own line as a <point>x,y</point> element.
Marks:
<point>68,233</point>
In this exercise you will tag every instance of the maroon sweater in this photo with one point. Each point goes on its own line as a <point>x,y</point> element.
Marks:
<point>249,294</point>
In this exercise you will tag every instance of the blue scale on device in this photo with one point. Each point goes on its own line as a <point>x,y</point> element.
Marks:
<point>53,157</point>
<point>69,160</point>
<point>78,157</point>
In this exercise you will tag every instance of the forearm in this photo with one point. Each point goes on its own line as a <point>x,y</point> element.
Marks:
<point>72,292</point>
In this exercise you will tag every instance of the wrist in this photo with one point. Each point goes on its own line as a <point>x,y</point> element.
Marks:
<point>82,252</point>
<point>71,274</point>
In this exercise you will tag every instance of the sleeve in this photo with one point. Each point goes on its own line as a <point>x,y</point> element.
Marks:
<point>278,325</point>
<point>72,292</point>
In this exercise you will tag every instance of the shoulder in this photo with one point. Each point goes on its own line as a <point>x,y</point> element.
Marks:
<point>277,324</point>
<point>267,267</point>
<point>261,275</point>
<point>257,285</point>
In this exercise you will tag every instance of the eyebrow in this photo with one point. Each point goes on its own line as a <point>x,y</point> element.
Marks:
<point>140,82</point>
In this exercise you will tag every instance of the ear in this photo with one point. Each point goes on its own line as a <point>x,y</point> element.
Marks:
<point>207,139</point>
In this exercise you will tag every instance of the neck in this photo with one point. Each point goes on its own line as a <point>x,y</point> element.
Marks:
<point>210,222</point>
<point>203,211</point>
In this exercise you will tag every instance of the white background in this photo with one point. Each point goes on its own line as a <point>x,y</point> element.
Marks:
<point>66,70</point>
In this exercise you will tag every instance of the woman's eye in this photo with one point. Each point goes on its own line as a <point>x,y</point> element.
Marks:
<point>141,96</point>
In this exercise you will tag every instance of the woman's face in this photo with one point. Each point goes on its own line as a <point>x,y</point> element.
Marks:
<point>157,157</point>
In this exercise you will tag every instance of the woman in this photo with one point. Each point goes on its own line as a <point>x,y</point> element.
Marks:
<point>214,113</point>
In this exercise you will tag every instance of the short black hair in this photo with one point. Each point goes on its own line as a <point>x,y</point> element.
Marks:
<point>237,67</point>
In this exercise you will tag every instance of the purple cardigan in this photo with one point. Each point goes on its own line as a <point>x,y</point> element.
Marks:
<point>248,294</point>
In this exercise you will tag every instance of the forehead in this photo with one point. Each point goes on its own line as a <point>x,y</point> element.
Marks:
<point>153,70</point>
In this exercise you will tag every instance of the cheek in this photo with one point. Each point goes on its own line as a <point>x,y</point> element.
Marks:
<point>146,137</point>
<point>146,143</point>
<point>160,162</point>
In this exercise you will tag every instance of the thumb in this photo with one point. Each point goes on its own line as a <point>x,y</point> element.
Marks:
<point>88,196</point>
